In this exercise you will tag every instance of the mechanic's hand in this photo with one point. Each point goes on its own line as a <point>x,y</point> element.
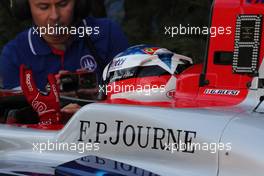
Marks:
<point>47,106</point>
<point>70,108</point>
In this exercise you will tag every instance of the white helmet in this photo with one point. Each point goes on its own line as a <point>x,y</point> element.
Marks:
<point>144,73</point>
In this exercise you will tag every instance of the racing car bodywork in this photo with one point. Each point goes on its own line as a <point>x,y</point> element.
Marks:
<point>213,125</point>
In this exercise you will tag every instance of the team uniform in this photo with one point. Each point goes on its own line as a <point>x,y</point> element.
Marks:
<point>30,49</point>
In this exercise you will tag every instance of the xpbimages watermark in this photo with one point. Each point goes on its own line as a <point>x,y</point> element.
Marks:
<point>80,147</point>
<point>211,147</point>
<point>196,30</point>
<point>63,30</point>
<point>145,89</point>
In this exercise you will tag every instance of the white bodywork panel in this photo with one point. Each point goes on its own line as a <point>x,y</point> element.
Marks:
<point>247,154</point>
<point>102,120</point>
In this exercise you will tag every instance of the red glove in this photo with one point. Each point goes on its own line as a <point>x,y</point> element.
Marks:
<point>47,106</point>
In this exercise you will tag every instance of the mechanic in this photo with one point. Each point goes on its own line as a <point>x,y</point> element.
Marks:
<point>51,53</point>
<point>54,53</point>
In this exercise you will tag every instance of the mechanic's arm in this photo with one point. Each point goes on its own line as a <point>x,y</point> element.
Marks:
<point>9,70</point>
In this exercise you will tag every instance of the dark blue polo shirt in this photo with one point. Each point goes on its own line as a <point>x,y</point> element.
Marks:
<point>30,49</point>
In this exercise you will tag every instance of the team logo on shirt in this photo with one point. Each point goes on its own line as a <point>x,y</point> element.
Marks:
<point>88,62</point>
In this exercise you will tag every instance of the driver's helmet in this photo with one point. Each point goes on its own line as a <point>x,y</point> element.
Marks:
<point>144,73</point>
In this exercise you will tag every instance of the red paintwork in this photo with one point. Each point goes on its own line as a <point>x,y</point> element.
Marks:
<point>220,76</point>
<point>6,93</point>
<point>40,127</point>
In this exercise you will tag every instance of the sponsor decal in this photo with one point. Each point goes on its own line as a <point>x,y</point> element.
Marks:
<point>150,50</point>
<point>255,1</point>
<point>170,94</point>
<point>39,106</point>
<point>117,63</point>
<point>131,135</point>
<point>221,92</point>
<point>88,62</point>
<point>105,167</point>
<point>54,88</point>
<point>28,82</point>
